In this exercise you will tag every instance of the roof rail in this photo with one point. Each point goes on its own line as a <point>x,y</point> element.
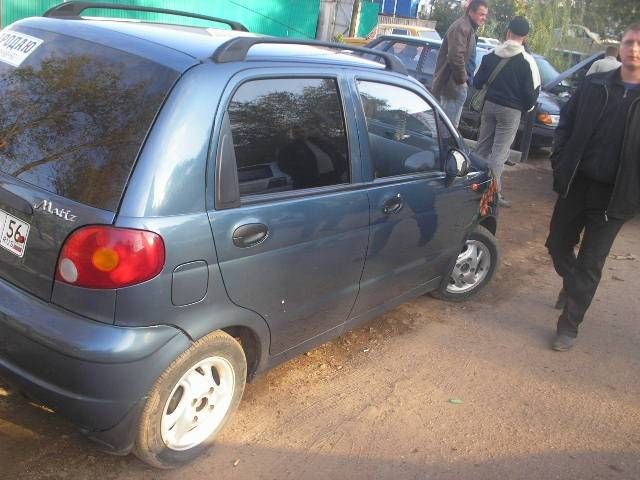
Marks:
<point>236,50</point>
<point>74,9</point>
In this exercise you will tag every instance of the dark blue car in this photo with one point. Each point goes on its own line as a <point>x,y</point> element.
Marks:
<point>419,57</point>
<point>183,208</point>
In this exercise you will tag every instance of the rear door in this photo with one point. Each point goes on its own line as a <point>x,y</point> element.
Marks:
<point>73,116</point>
<point>291,222</point>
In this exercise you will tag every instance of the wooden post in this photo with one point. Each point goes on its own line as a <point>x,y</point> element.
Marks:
<point>355,18</point>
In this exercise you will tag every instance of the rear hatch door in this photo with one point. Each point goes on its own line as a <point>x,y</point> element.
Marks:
<point>73,117</point>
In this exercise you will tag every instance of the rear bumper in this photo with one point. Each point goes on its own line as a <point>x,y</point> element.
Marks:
<point>96,375</point>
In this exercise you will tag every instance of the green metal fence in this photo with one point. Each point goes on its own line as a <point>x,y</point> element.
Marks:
<point>368,18</point>
<point>283,18</point>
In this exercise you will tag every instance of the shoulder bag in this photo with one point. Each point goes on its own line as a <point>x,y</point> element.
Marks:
<point>477,100</point>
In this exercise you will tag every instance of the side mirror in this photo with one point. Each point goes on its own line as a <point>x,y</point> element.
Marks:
<point>457,165</point>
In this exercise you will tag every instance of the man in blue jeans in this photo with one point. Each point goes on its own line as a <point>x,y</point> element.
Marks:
<point>596,172</point>
<point>450,79</point>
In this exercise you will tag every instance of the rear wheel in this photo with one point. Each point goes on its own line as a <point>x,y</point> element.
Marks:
<point>191,401</point>
<point>473,269</point>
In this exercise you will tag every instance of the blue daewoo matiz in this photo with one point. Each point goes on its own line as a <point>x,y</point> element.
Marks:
<point>183,208</point>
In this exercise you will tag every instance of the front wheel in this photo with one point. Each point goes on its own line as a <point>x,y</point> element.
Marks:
<point>473,269</point>
<point>191,401</point>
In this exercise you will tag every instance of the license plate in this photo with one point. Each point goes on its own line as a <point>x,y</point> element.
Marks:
<point>14,234</point>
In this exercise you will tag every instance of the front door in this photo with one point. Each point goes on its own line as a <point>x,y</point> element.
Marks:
<point>418,216</point>
<point>293,249</point>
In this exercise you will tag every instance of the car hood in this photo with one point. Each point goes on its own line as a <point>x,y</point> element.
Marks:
<point>550,103</point>
<point>567,73</point>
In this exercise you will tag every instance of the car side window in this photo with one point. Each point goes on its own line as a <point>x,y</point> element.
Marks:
<point>430,59</point>
<point>448,139</point>
<point>403,135</point>
<point>408,53</point>
<point>288,134</point>
<point>384,45</point>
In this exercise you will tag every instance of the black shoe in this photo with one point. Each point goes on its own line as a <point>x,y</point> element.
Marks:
<point>509,163</point>
<point>561,301</point>
<point>562,343</point>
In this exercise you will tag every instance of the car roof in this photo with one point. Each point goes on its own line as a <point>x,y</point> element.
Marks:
<point>197,43</point>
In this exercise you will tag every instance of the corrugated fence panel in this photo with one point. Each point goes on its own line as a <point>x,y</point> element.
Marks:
<point>13,10</point>
<point>368,18</point>
<point>283,18</point>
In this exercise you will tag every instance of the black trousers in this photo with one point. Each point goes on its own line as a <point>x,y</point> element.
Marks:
<point>582,212</point>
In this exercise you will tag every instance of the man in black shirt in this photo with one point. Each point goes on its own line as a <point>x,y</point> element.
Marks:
<point>513,91</point>
<point>596,170</point>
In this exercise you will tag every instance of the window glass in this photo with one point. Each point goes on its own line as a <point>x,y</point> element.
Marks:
<point>429,64</point>
<point>288,134</point>
<point>384,46</point>
<point>448,139</point>
<point>408,53</point>
<point>74,114</point>
<point>547,70</point>
<point>403,136</point>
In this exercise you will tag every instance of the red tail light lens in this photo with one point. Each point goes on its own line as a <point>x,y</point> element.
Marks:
<point>110,257</point>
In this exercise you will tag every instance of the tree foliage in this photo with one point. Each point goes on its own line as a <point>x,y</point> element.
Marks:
<point>549,18</point>
<point>608,18</point>
<point>445,12</point>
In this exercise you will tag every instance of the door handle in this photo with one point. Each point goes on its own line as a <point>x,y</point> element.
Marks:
<point>393,205</point>
<point>250,235</point>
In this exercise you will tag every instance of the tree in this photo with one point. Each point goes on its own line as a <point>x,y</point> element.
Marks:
<point>445,12</point>
<point>608,18</point>
<point>500,12</point>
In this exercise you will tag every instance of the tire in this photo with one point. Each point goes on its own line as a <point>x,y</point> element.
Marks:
<point>472,281</point>
<point>191,402</point>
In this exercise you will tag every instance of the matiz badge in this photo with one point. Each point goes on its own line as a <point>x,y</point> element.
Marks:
<point>47,207</point>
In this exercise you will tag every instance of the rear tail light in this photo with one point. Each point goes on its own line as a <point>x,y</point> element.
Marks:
<point>110,257</point>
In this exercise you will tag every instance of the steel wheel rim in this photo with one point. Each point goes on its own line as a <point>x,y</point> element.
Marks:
<point>198,403</point>
<point>471,268</point>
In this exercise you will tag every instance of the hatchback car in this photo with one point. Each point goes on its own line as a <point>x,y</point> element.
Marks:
<point>183,208</point>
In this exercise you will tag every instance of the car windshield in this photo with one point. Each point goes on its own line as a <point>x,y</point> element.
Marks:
<point>547,71</point>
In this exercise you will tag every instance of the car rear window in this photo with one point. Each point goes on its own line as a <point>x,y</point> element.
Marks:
<point>74,113</point>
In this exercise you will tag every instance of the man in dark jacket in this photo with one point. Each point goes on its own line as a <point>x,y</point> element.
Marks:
<point>514,90</point>
<point>450,77</point>
<point>596,172</point>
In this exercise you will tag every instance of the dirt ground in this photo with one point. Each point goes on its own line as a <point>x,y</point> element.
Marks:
<point>377,402</point>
